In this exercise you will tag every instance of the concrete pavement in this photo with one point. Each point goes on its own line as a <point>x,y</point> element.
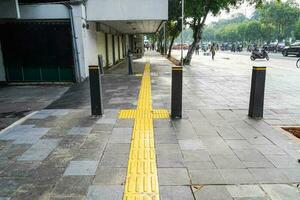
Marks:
<point>214,152</point>
<point>18,101</point>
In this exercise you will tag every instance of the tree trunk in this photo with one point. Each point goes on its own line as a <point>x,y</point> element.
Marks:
<point>187,60</point>
<point>197,37</point>
<point>170,47</point>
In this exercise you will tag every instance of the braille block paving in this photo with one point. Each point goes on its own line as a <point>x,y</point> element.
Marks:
<point>141,180</point>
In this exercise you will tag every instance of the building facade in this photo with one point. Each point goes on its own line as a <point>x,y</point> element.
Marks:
<point>56,40</point>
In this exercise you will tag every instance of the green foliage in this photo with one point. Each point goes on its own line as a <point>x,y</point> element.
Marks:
<point>297,30</point>
<point>271,21</point>
<point>282,15</point>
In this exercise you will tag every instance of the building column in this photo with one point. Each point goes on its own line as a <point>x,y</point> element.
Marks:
<point>119,56</point>
<point>106,50</point>
<point>114,50</point>
<point>2,69</point>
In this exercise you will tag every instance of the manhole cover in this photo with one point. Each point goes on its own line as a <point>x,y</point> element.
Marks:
<point>293,130</point>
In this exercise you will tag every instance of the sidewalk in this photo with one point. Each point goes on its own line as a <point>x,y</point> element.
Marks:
<point>18,101</point>
<point>214,153</point>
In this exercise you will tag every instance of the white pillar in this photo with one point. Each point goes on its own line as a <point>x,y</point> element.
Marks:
<point>2,70</point>
<point>78,20</point>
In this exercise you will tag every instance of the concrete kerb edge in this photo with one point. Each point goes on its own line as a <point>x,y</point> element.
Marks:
<point>18,122</point>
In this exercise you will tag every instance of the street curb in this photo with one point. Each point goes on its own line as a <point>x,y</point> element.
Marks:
<point>17,122</point>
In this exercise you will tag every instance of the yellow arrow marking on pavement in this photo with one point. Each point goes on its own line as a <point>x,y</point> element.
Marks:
<point>141,180</point>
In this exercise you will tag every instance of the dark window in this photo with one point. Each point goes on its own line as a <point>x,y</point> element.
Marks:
<point>41,1</point>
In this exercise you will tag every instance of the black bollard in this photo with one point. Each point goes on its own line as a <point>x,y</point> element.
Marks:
<point>176,101</point>
<point>129,58</point>
<point>100,64</point>
<point>256,105</point>
<point>96,91</point>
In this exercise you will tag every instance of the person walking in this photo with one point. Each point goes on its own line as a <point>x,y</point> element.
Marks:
<point>213,51</point>
<point>197,49</point>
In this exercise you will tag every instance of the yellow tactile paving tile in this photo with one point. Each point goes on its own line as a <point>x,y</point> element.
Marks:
<point>141,179</point>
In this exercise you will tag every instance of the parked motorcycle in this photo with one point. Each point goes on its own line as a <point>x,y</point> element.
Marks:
<point>259,55</point>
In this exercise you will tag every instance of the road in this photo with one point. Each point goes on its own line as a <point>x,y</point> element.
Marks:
<point>242,59</point>
<point>229,76</point>
<point>271,55</point>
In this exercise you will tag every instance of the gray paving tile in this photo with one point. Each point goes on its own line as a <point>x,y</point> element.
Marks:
<point>196,155</point>
<point>212,192</point>
<point>81,168</point>
<point>40,150</point>
<point>228,133</point>
<point>80,131</point>
<point>206,176</point>
<point>237,176</point>
<point>253,159</point>
<point>165,139</point>
<point>258,140</point>
<point>269,175</point>
<point>105,120</point>
<point>292,174</point>
<point>176,193</point>
<point>239,144</point>
<point>113,192</point>
<point>110,176</point>
<point>199,165</point>
<point>114,160</point>
<point>72,186</point>
<point>117,131</point>
<point>242,191</point>
<point>190,144</point>
<point>40,116</point>
<point>173,176</point>
<point>120,138</point>
<point>227,162</point>
<point>270,150</point>
<point>117,148</point>
<point>282,192</point>
<point>283,161</point>
<point>167,148</point>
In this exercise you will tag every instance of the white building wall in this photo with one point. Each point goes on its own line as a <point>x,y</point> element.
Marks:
<point>116,48</point>
<point>86,40</point>
<point>78,20</point>
<point>90,46</point>
<point>127,10</point>
<point>110,49</point>
<point>9,9</point>
<point>121,47</point>
<point>44,11</point>
<point>101,46</point>
<point>2,70</point>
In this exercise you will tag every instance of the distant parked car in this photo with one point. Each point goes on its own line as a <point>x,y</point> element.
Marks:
<point>272,47</point>
<point>293,49</point>
<point>280,46</point>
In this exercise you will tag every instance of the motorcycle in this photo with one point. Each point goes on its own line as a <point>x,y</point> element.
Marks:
<point>259,55</point>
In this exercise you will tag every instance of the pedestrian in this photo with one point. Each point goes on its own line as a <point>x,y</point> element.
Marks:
<point>213,51</point>
<point>197,49</point>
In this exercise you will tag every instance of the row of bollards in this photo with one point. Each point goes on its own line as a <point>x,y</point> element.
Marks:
<point>256,106</point>
<point>95,73</point>
<point>257,94</point>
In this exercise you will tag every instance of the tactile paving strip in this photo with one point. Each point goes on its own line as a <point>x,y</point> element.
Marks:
<point>141,180</point>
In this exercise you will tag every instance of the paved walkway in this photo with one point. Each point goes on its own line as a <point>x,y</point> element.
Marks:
<point>214,152</point>
<point>18,101</point>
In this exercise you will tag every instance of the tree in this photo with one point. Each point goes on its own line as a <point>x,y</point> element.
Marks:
<point>196,12</point>
<point>173,25</point>
<point>281,15</point>
<point>297,30</point>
